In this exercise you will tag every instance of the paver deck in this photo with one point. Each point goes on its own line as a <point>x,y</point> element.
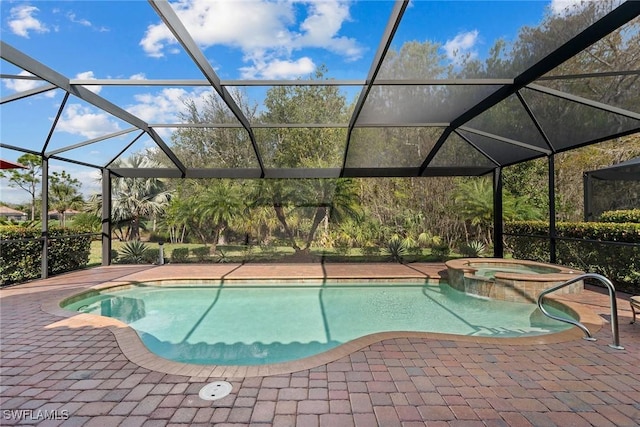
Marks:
<point>60,369</point>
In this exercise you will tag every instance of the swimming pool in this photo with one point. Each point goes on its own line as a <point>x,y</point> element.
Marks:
<point>253,324</point>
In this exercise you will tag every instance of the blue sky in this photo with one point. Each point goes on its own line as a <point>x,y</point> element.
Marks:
<point>257,39</point>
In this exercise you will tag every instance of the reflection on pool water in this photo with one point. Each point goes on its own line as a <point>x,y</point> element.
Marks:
<point>254,325</point>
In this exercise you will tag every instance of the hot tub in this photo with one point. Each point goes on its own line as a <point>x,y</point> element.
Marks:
<point>509,279</point>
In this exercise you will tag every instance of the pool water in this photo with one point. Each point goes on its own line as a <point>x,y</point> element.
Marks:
<point>255,325</point>
<point>491,271</point>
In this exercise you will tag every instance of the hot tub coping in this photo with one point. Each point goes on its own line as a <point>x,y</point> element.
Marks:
<point>509,286</point>
<point>562,273</point>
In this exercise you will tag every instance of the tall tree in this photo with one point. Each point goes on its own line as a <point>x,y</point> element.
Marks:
<point>302,205</point>
<point>216,205</point>
<point>474,202</point>
<point>529,180</point>
<point>403,146</point>
<point>64,194</point>
<point>215,147</point>
<point>615,54</point>
<point>176,219</point>
<point>310,201</point>
<point>27,179</point>
<point>310,147</point>
<point>136,198</point>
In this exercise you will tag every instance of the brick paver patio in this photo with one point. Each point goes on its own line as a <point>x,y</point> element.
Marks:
<point>80,375</point>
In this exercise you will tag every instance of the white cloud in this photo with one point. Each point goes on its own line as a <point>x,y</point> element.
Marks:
<point>73,18</point>
<point>321,28</point>
<point>12,194</point>
<point>279,69</point>
<point>79,120</point>
<point>139,76</point>
<point>265,31</point>
<point>161,107</point>
<point>88,75</point>
<point>89,178</point>
<point>461,46</point>
<point>254,25</point>
<point>22,21</point>
<point>21,85</point>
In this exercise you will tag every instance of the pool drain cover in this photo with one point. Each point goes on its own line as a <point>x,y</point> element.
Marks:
<point>216,390</point>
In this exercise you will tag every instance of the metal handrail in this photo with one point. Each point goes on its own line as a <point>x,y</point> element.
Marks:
<point>612,297</point>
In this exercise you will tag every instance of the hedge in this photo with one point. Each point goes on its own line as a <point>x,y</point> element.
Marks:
<point>201,253</point>
<point>621,216</point>
<point>179,255</point>
<point>152,255</point>
<point>619,263</point>
<point>21,261</point>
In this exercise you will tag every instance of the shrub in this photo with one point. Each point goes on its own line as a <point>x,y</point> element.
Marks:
<point>87,221</point>
<point>473,249</point>
<point>156,237</point>
<point>342,246</point>
<point>441,251</point>
<point>201,253</point>
<point>22,260</point>
<point>179,255</point>
<point>621,216</point>
<point>412,245</point>
<point>247,252</point>
<point>68,253</point>
<point>134,252</point>
<point>267,249</point>
<point>152,255</point>
<point>397,249</point>
<point>370,250</point>
<point>221,257</point>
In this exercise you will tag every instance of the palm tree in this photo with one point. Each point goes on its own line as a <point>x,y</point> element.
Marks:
<point>317,200</point>
<point>63,194</point>
<point>176,219</point>
<point>136,198</point>
<point>259,222</point>
<point>216,207</point>
<point>474,202</point>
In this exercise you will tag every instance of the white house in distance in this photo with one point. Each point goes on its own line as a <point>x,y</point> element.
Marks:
<point>5,211</point>
<point>12,214</point>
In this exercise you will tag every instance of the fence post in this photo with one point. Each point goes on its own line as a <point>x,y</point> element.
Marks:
<point>498,231</point>
<point>552,210</point>
<point>106,216</point>
<point>44,272</point>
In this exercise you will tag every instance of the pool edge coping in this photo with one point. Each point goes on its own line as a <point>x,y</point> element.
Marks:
<point>135,351</point>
